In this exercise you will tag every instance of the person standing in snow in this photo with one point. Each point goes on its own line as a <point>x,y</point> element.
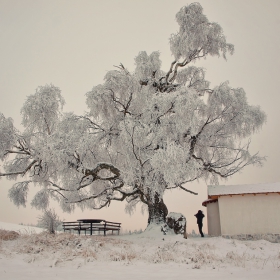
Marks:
<point>199,216</point>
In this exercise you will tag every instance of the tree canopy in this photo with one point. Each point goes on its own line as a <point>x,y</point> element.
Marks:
<point>145,131</point>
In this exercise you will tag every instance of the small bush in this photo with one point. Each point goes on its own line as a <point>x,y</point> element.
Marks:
<point>49,221</point>
<point>8,235</point>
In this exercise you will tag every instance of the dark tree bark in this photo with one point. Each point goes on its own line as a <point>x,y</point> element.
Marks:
<point>157,211</point>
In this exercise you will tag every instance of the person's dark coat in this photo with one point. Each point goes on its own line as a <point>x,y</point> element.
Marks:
<point>199,216</point>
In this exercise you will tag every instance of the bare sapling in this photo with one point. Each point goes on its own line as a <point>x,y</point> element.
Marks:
<point>49,221</point>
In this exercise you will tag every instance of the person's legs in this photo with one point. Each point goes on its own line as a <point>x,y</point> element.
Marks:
<point>200,229</point>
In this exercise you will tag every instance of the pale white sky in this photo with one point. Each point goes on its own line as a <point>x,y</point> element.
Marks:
<point>72,43</point>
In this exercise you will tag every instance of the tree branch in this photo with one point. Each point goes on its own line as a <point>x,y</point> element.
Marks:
<point>186,190</point>
<point>23,172</point>
<point>170,70</point>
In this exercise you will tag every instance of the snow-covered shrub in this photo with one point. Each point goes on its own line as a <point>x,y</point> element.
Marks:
<point>49,221</point>
<point>175,223</point>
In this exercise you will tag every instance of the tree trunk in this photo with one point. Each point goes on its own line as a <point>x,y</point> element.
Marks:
<point>157,211</point>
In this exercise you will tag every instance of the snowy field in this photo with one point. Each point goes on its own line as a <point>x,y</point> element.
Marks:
<point>34,255</point>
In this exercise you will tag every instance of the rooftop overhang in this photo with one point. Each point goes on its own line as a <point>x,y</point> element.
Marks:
<point>216,196</point>
<point>205,202</point>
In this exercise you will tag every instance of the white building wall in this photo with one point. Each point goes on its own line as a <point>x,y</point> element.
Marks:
<point>250,214</point>
<point>213,218</point>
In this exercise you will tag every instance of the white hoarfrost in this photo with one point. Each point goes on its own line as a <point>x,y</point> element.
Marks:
<point>145,131</point>
<point>49,221</point>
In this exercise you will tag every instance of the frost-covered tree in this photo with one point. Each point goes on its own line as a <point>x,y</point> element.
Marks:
<point>49,221</point>
<point>145,131</point>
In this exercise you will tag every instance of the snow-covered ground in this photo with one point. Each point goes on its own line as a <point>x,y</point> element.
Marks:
<point>20,228</point>
<point>138,256</point>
